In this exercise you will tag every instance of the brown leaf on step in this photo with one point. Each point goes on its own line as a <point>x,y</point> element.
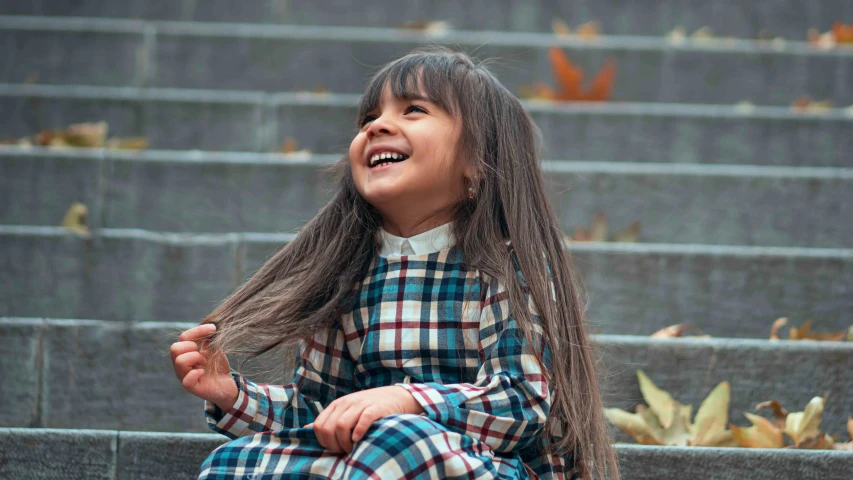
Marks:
<point>537,91</point>
<point>428,27</point>
<point>842,33</point>
<point>589,30</point>
<point>762,433</point>
<point>560,28</point>
<point>667,422</point>
<point>570,79</point>
<point>676,331</point>
<point>805,104</point>
<point>87,135</point>
<point>289,147</point>
<point>598,231</point>
<point>629,234</point>
<point>32,78</point>
<point>804,333</point>
<point>779,412</point>
<point>129,143</point>
<point>847,445</point>
<point>75,218</point>
<point>804,426</point>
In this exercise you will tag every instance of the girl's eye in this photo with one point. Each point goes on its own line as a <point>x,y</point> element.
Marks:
<point>368,118</point>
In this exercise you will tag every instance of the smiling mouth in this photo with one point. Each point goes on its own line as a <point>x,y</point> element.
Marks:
<point>382,162</point>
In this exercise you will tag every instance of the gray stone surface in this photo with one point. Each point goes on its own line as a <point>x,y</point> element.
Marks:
<point>124,276</point>
<point>788,18</point>
<point>738,292</point>
<point>155,456</point>
<point>21,344</point>
<point>170,120</point>
<point>173,191</point>
<point>275,59</point>
<point>142,456</point>
<point>38,454</point>
<point>211,196</point>
<point>111,375</point>
<point>39,190</point>
<point>634,288</point>
<point>654,73</point>
<point>115,375</point>
<point>653,463</point>
<point>72,57</point>
<point>211,120</point>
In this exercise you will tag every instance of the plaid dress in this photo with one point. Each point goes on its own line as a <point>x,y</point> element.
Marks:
<point>444,333</point>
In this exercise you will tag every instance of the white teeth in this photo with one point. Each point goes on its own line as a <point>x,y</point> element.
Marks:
<point>385,156</point>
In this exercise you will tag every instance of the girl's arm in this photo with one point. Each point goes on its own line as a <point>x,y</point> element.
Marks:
<point>507,406</point>
<point>323,373</point>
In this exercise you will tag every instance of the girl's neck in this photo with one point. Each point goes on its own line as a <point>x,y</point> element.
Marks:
<point>411,228</point>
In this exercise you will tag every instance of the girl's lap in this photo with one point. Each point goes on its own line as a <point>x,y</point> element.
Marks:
<point>398,446</point>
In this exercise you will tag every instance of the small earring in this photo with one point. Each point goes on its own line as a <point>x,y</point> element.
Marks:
<point>471,192</point>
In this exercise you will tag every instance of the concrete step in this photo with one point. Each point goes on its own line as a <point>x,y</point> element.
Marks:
<point>48,454</point>
<point>196,192</point>
<point>325,124</point>
<point>136,275</point>
<point>293,58</point>
<point>118,375</point>
<point>788,18</point>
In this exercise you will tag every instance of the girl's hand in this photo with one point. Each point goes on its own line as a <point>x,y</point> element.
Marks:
<point>347,419</point>
<point>188,361</point>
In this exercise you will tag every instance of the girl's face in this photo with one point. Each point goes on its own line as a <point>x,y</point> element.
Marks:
<point>429,177</point>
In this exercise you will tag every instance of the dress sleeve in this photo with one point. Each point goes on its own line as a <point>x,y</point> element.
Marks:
<point>323,373</point>
<point>507,406</point>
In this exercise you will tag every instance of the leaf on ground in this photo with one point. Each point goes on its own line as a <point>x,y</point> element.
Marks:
<point>75,218</point>
<point>660,402</point>
<point>667,422</point>
<point>762,433</point>
<point>709,426</point>
<point>779,412</point>
<point>805,425</point>
<point>805,104</point>
<point>676,331</point>
<point>428,27</point>
<point>804,333</point>
<point>842,33</point>
<point>289,147</point>
<point>846,445</point>
<point>598,231</point>
<point>129,143</point>
<point>570,79</point>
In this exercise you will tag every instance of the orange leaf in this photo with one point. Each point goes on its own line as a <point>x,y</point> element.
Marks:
<point>599,89</point>
<point>569,77</point>
<point>843,33</point>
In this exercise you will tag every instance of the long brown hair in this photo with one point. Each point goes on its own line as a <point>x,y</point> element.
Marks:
<point>307,285</point>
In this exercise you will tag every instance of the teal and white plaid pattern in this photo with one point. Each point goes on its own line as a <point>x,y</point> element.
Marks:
<point>430,325</point>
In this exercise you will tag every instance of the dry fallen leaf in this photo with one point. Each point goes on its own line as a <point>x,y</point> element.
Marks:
<point>598,231</point>
<point>428,27</point>
<point>675,331</point>
<point>75,218</point>
<point>803,332</point>
<point>842,33</point>
<point>802,428</point>
<point>666,422</point>
<point>805,104</point>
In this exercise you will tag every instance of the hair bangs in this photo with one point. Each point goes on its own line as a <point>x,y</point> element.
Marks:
<point>422,75</point>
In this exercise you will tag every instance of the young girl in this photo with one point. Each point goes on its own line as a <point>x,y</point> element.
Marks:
<point>442,324</point>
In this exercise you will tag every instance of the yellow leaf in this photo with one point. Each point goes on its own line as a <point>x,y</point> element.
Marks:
<point>678,433</point>
<point>633,424</point>
<point>629,234</point>
<point>75,218</point>
<point>709,428</point>
<point>805,425</point>
<point>660,402</point>
<point>762,433</point>
<point>90,135</point>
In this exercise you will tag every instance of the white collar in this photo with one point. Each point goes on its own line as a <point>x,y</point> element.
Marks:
<point>431,241</point>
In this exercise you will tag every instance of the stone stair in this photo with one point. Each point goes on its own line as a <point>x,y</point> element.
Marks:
<point>742,205</point>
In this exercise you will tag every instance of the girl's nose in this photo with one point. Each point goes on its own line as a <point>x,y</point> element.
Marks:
<point>380,126</point>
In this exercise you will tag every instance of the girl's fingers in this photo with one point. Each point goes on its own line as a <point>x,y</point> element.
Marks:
<point>179,348</point>
<point>197,332</point>
<point>191,379</point>
<point>185,362</point>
